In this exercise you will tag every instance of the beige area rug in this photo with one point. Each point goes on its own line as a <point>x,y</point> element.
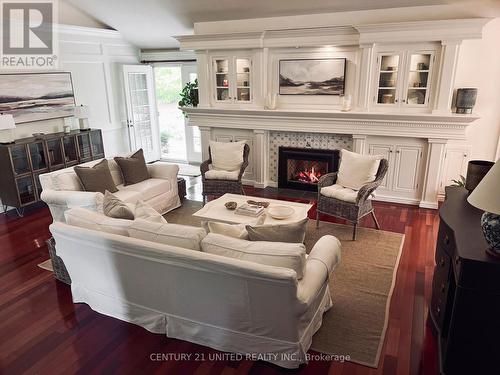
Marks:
<point>361,287</point>
<point>47,265</point>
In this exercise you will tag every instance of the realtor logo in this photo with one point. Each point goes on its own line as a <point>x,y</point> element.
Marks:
<point>28,35</point>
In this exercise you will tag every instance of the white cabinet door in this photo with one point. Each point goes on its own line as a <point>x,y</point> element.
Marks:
<point>454,166</point>
<point>224,138</point>
<point>387,152</point>
<point>407,168</point>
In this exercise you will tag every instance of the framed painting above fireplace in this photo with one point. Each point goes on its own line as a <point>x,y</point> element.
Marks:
<point>36,96</point>
<point>312,77</point>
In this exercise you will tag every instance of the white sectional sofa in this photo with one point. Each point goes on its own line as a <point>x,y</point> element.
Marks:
<point>218,301</point>
<point>62,189</point>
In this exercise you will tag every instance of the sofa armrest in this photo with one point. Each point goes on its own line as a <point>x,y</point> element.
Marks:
<point>163,170</point>
<point>61,201</point>
<point>322,260</point>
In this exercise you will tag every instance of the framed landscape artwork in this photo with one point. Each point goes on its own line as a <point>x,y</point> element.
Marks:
<point>312,77</point>
<point>36,96</point>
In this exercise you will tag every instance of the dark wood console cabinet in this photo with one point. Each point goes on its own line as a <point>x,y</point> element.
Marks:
<point>23,161</point>
<point>465,303</point>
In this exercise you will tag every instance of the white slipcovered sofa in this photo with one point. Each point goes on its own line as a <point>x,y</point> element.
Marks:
<point>225,303</point>
<point>62,190</point>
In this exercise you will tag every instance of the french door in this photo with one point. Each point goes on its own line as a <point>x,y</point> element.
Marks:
<point>142,120</point>
<point>178,142</point>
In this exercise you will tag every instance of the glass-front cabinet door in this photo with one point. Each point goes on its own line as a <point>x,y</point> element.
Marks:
<point>232,79</point>
<point>20,161</point>
<point>26,190</point>
<point>418,83</point>
<point>97,146</point>
<point>70,150</point>
<point>388,79</point>
<point>55,152</point>
<point>37,155</point>
<point>84,148</point>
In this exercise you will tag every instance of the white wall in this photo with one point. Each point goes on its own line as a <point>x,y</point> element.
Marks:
<point>94,57</point>
<point>479,66</point>
<point>71,15</point>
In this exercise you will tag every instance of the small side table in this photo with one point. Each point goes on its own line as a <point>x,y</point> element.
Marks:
<point>181,186</point>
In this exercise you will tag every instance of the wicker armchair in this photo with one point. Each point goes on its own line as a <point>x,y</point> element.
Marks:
<point>221,187</point>
<point>350,211</point>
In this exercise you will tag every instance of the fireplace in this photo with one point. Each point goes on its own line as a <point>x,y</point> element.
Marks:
<point>301,168</point>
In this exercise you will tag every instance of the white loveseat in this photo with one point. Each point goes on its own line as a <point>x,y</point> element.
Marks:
<point>217,301</point>
<point>62,190</point>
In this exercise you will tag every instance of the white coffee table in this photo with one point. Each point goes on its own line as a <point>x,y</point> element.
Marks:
<point>216,211</point>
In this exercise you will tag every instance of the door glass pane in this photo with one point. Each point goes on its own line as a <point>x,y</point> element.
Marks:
<point>20,159</point>
<point>70,151</point>
<point>388,79</point>
<point>141,115</point>
<point>37,154</point>
<point>26,189</point>
<point>418,79</point>
<point>243,80</point>
<point>97,146</point>
<point>54,149</point>
<point>222,79</point>
<point>84,146</point>
<point>168,81</point>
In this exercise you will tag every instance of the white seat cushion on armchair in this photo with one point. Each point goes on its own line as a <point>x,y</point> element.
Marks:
<point>357,170</point>
<point>339,192</point>
<point>219,174</point>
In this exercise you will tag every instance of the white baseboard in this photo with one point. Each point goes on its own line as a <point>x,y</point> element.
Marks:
<point>381,198</point>
<point>431,205</point>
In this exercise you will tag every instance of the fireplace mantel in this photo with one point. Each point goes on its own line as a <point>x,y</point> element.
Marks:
<point>417,125</point>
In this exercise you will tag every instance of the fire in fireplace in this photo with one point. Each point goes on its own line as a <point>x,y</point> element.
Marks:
<point>301,168</point>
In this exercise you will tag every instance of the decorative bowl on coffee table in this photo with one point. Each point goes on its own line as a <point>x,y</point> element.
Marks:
<point>231,205</point>
<point>280,212</point>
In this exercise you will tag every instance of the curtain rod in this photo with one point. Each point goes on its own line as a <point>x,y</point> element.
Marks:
<point>164,61</point>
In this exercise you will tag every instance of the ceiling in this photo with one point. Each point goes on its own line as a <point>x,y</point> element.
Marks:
<point>152,23</point>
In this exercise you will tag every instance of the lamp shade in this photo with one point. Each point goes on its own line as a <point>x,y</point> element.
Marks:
<point>7,122</point>
<point>486,195</point>
<point>81,111</point>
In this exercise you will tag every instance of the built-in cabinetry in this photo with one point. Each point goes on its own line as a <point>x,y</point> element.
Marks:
<point>232,135</point>
<point>404,79</point>
<point>403,181</point>
<point>232,79</point>
<point>456,158</point>
<point>23,161</point>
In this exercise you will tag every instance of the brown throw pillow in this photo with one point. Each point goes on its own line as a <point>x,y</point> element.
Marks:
<point>133,168</point>
<point>96,178</point>
<point>294,233</point>
<point>112,206</point>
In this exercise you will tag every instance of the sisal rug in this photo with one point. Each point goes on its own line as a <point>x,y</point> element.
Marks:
<point>361,287</point>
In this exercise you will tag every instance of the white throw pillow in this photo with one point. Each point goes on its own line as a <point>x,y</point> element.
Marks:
<point>178,235</point>
<point>145,211</point>
<point>66,181</point>
<point>279,254</point>
<point>83,218</point>
<point>357,170</point>
<point>227,156</point>
<point>232,230</point>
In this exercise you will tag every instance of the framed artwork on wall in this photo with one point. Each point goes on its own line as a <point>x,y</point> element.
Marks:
<point>36,96</point>
<point>312,76</point>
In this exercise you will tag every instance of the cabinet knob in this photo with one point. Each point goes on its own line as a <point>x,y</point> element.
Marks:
<point>442,262</point>
<point>397,151</point>
<point>395,100</point>
<point>446,240</point>
<point>390,151</point>
<point>438,311</point>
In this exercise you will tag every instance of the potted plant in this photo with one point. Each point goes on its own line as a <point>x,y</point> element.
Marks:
<point>189,95</point>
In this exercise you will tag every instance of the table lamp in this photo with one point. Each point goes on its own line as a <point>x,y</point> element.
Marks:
<point>82,113</point>
<point>7,128</point>
<point>486,197</point>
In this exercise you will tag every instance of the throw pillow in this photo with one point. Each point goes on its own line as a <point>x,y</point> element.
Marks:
<point>133,168</point>
<point>227,156</point>
<point>357,170</point>
<point>114,207</point>
<point>83,218</point>
<point>278,254</point>
<point>146,212</point>
<point>231,230</point>
<point>294,233</point>
<point>178,235</point>
<point>97,178</point>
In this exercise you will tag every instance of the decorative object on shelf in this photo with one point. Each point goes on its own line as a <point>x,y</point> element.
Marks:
<point>476,170</point>
<point>387,98</point>
<point>189,95</point>
<point>486,197</point>
<point>36,96</point>
<point>271,100</point>
<point>82,113</point>
<point>346,101</point>
<point>67,129</point>
<point>312,77</point>
<point>231,205</point>
<point>466,99</point>
<point>280,212</point>
<point>422,66</point>
<point>7,128</point>
<point>38,136</point>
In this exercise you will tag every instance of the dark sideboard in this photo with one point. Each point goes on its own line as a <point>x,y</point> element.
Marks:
<point>23,161</point>
<point>465,302</point>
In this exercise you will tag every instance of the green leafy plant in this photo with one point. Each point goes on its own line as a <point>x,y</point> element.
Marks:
<point>460,182</point>
<point>189,95</point>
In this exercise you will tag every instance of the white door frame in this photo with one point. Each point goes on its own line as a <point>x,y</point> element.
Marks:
<point>153,154</point>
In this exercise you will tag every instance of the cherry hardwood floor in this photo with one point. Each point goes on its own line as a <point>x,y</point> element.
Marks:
<point>43,332</point>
